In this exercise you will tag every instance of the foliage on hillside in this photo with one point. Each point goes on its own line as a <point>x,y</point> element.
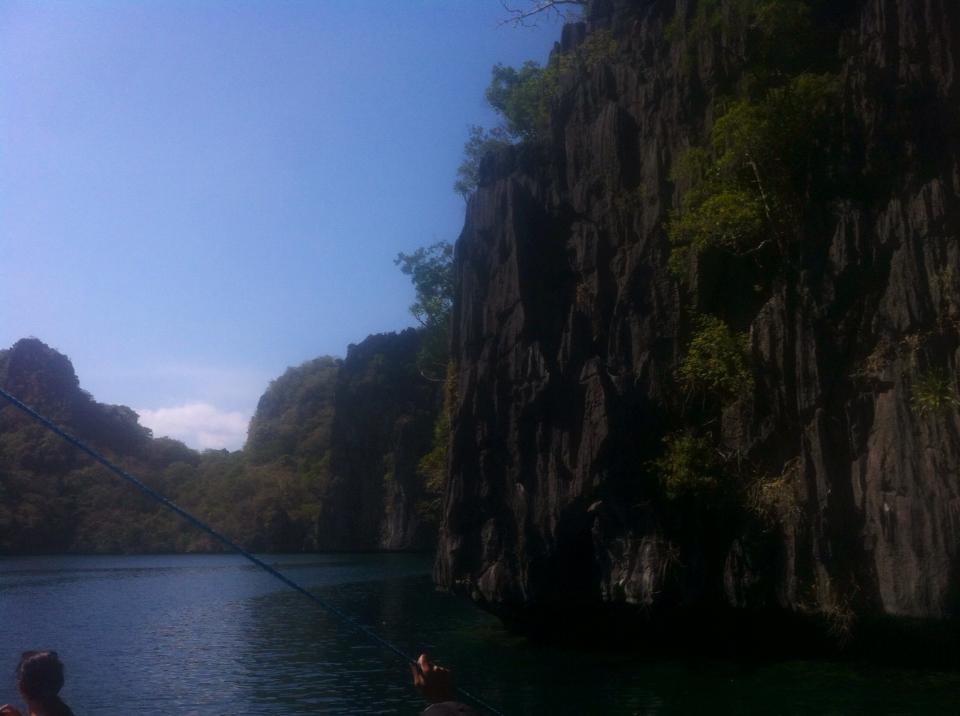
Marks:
<point>430,269</point>
<point>522,97</point>
<point>715,362</point>
<point>432,467</point>
<point>54,499</point>
<point>773,144</point>
<point>770,152</point>
<point>294,414</point>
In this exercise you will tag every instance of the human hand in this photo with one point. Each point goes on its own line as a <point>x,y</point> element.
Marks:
<point>434,683</point>
<point>9,710</point>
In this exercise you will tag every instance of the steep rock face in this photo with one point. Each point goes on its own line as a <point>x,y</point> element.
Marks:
<point>568,330</point>
<point>384,412</point>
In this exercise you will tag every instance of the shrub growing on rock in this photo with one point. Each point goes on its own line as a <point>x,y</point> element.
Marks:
<point>933,392</point>
<point>715,364</point>
<point>688,466</point>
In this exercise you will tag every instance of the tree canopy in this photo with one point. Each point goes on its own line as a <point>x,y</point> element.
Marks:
<point>522,96</point>
<point>480,143</point>
<point>430,268</point>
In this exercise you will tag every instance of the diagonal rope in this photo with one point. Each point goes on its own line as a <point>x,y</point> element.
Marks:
<point>226,541</point>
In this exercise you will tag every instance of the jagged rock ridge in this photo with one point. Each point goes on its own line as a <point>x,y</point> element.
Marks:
<point>568,329</point>
<point>382,426</point>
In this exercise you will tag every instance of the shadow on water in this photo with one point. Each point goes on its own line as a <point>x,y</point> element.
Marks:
<point>212,638</point>
<point>521,677</point>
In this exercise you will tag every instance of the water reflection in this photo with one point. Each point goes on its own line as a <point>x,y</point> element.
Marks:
<point>208,635</point>
<point>304,661</point>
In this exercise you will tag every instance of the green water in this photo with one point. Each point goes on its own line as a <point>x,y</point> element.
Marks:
<point>210,635</point>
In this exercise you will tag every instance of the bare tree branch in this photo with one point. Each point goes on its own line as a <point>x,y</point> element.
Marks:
<point>522,17</point>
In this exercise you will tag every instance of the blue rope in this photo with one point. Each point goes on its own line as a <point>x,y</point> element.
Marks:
<point>227,542</point>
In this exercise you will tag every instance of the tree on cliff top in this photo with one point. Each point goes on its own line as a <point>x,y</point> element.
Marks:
<point>523,95</point>
<point>520,96</point>
<point>430,268</point>
<point>480,143</point>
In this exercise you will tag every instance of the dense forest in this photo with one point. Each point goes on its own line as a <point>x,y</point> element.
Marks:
<point>281,493</point>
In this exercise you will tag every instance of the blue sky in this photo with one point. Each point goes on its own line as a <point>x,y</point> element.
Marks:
<point>196,195</point>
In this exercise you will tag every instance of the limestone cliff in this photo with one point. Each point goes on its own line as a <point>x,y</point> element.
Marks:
<point>569,330</point>
<point>355,430</point>
<point>382,426</point>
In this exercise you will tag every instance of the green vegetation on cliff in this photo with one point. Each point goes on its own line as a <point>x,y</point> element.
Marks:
<point>523,97</point>
<point>54,499</point>
<point>272,496</point>
<point>933,392</point>
<point>294,414</point>
<point>764,159</point>
<point>430,269</point>
<point>432,467</point>
<point>688,466</point>
<point>747,189</point>
<point>715,363</point>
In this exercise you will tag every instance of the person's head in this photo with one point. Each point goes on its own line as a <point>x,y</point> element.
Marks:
<point>40,676</point>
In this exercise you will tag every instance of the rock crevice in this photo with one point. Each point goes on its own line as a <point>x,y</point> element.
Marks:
<point>568,328</point>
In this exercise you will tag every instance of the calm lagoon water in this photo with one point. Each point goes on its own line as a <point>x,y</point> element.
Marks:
<point>208,634</point>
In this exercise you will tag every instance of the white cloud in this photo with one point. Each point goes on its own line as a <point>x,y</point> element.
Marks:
<point>200,425</point>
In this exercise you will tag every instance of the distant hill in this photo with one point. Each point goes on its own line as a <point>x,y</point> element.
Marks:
<point>278,494</point>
